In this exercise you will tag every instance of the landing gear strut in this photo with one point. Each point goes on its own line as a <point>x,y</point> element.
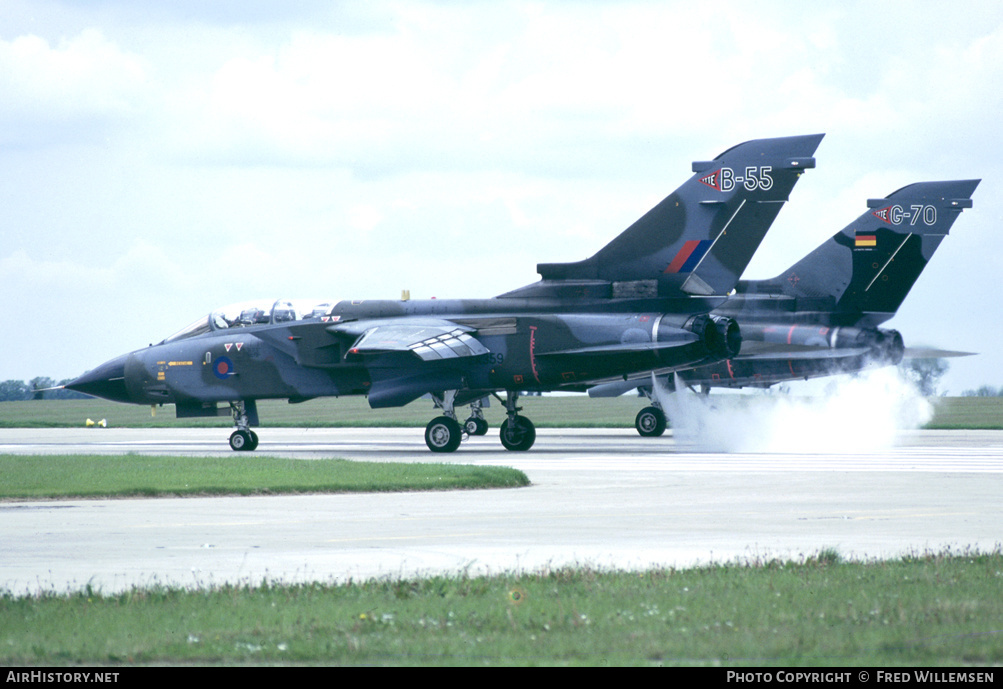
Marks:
<point>517,432</point>
<point>243,439</point>
<point>650,421</point>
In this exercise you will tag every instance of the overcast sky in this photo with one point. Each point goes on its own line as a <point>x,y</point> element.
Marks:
<point>161,159</point>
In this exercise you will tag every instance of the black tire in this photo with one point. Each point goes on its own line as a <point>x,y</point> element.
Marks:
<point>650,422</point>
<point>241,441</point>
<point>476,426</point>
<point>519,436</point>
<point>443,434</point>
<point>254,441</point>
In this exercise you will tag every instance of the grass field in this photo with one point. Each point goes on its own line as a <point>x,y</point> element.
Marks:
<point>939,609</point>
<point>574,411</point>
<point>61,476</point>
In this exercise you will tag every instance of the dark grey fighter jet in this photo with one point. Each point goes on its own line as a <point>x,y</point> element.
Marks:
<point>642,303</point>
<point>820,317</point>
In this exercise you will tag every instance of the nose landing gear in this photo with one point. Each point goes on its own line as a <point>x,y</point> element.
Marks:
<point>243,439</point>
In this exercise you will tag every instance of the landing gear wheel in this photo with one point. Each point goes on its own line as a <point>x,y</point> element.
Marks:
<point>242,441</point>
<point>518,434</point>
<point>254,441</point>
<point>650,422</point>
<point>443,434</point>
<point>476,426</point>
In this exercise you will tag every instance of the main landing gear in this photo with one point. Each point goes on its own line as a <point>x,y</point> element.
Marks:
<point>444,433</point>
<point>243,439</point>
<point>476,424</point>
<point>517,432</point>
<point>650,421</point>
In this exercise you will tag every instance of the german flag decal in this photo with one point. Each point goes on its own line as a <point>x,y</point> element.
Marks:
<point>865,240</point>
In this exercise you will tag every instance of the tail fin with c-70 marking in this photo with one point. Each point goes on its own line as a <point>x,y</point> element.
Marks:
<point>864,272</point>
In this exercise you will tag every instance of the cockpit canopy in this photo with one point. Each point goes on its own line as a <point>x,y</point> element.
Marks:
<point>247,313</point>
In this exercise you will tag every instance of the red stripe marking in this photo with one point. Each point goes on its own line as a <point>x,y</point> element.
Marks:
<point>684,253</point>
<point>532,352</point>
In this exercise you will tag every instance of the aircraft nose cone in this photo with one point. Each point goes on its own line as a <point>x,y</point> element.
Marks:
<point>107,381</point>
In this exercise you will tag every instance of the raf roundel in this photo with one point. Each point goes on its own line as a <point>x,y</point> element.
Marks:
<point>223,368</point>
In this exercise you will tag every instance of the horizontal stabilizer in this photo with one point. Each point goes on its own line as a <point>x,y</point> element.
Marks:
<point>804,353</point>
<point>930,353</point>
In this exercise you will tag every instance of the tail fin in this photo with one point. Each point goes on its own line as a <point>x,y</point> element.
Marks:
<point>871,264</point>
<point>700,238</point>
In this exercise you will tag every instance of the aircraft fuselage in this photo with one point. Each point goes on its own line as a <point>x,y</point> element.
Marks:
<point>525,347</point>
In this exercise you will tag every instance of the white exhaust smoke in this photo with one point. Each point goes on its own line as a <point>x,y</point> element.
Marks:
<point>855,414</point>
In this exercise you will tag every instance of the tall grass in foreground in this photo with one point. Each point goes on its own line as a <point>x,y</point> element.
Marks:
<point>924,610</point>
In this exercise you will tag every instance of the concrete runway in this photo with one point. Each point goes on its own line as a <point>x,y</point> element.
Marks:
<point>605,498</point>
